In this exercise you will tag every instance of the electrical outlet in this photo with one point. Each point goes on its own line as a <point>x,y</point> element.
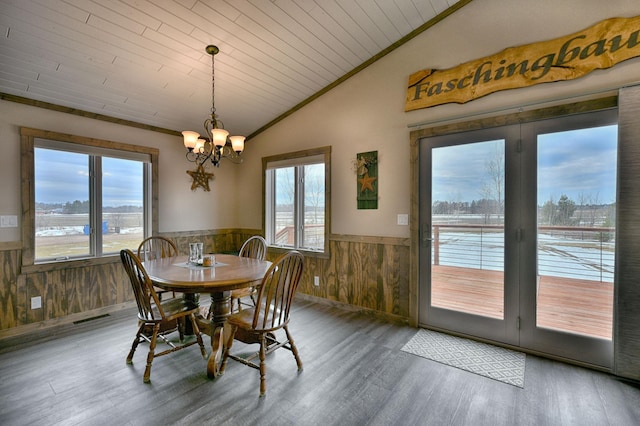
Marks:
<point>316,281</point>
<point>36,302</point>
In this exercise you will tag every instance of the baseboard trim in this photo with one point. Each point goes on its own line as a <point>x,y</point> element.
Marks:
<point>396,319</point>
<point>44,327</point>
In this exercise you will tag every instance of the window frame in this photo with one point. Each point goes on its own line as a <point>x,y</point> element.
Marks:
<point>296,159</point>
<point>35,138</point>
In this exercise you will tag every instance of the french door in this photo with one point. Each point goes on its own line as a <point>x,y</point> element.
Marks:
<point>518,235</point>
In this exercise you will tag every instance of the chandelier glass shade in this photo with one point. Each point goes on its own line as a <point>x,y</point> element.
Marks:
<point>217,143</point>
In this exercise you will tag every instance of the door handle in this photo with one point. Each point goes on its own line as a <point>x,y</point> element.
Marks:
<point>426,235</point>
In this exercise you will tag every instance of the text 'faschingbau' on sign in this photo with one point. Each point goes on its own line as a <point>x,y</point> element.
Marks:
<point>566,58</point>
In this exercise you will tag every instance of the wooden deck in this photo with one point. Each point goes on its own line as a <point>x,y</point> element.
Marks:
<point>573,305</point>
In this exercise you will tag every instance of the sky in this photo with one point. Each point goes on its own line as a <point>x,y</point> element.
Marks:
<point>63,177</point>
<point>579,163</point>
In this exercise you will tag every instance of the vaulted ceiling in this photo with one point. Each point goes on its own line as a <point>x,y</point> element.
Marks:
<point>144,60</point>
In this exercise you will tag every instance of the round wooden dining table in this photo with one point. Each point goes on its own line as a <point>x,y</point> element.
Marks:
<point>228,273</point>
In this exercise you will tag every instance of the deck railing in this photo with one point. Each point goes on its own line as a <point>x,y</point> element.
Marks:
<point>572,252</point>
<point>313,236</point>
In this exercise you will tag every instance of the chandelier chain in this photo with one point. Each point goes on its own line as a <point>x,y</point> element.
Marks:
<point>213,85</point>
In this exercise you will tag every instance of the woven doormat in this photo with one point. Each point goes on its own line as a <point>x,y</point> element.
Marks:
<point>479,358</point>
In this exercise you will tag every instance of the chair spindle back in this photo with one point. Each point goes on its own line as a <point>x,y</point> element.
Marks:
<point>255,247</point>
<point>156,247</point>
<point>142,286</point>
<point>277,290</point>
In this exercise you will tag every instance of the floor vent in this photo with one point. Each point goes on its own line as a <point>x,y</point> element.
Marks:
<point>90,319</point>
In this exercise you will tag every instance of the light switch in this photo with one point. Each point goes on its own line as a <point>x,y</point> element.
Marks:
<point>403,219</point>
<point>9,221</point>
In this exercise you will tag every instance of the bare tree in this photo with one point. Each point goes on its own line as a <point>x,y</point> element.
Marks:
<point>493,189</point>
<point>594,213</point>
<point>589,209</point>
<point>314,188</point>
<point>548,213</point>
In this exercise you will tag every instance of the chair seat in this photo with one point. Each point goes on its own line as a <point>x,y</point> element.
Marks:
<point>177,306</point>
<point>245,333</point>
<point>244,320</point>
<point>242,292</point>
<point>173,309</point>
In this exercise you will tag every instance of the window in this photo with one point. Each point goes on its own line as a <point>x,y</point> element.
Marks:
<point>89,199</point>
<point>297,189</point>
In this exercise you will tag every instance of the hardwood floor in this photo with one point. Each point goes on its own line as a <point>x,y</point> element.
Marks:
<point>354,374</point>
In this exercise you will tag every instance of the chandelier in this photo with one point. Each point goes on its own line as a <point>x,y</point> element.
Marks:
<point>219,144</point>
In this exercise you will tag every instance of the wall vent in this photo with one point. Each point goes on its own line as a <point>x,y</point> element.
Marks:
<point>90,319</point>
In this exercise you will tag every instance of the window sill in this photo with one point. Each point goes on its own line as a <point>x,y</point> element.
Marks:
<point>278,250</point>
<point>69,264</point>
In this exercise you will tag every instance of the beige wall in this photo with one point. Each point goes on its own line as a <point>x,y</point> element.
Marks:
<point>180,208</point>
<point>366,112</point>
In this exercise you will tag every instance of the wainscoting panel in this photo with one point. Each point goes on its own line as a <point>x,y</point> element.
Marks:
<point>91,288</point>
<point>366,272</point>
<point>82,288</point>
<point>10,259</point>
<point>71,291</point>
<point>213,242</point>
<point>369,273</point>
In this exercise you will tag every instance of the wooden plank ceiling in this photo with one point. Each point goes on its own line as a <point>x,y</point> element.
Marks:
<point>145,60</point>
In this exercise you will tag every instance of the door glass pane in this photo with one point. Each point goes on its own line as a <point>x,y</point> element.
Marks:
<point>122,204</point>
<point>285,191</point>
<point>314,193</point>
<point>468,186</point>
<point>62,204</point>
<point>576,230</point>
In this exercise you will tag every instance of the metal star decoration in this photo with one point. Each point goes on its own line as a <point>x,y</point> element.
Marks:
<point>200,178</point>
<point>366,182</point>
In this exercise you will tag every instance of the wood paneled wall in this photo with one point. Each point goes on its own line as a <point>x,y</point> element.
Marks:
<point>369,273</point>
<point>218,241</point>
<point>72,290</point>
<point>80,289</point>
<point>10,258</point>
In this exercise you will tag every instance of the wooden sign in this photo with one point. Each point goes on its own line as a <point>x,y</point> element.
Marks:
<point>600,46</point>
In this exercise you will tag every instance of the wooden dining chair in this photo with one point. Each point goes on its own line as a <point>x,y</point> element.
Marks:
<point>157,318</point>
<point>254,247</point>
<point>271,313</point>
<point>157,247</point>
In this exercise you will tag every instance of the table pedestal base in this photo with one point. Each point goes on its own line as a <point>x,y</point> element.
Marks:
<point>214,326</point>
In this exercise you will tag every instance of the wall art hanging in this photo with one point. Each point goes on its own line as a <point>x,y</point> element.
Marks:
<point>366,166</point>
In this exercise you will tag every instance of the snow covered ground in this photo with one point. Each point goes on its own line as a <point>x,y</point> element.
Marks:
<point>557,256</point>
